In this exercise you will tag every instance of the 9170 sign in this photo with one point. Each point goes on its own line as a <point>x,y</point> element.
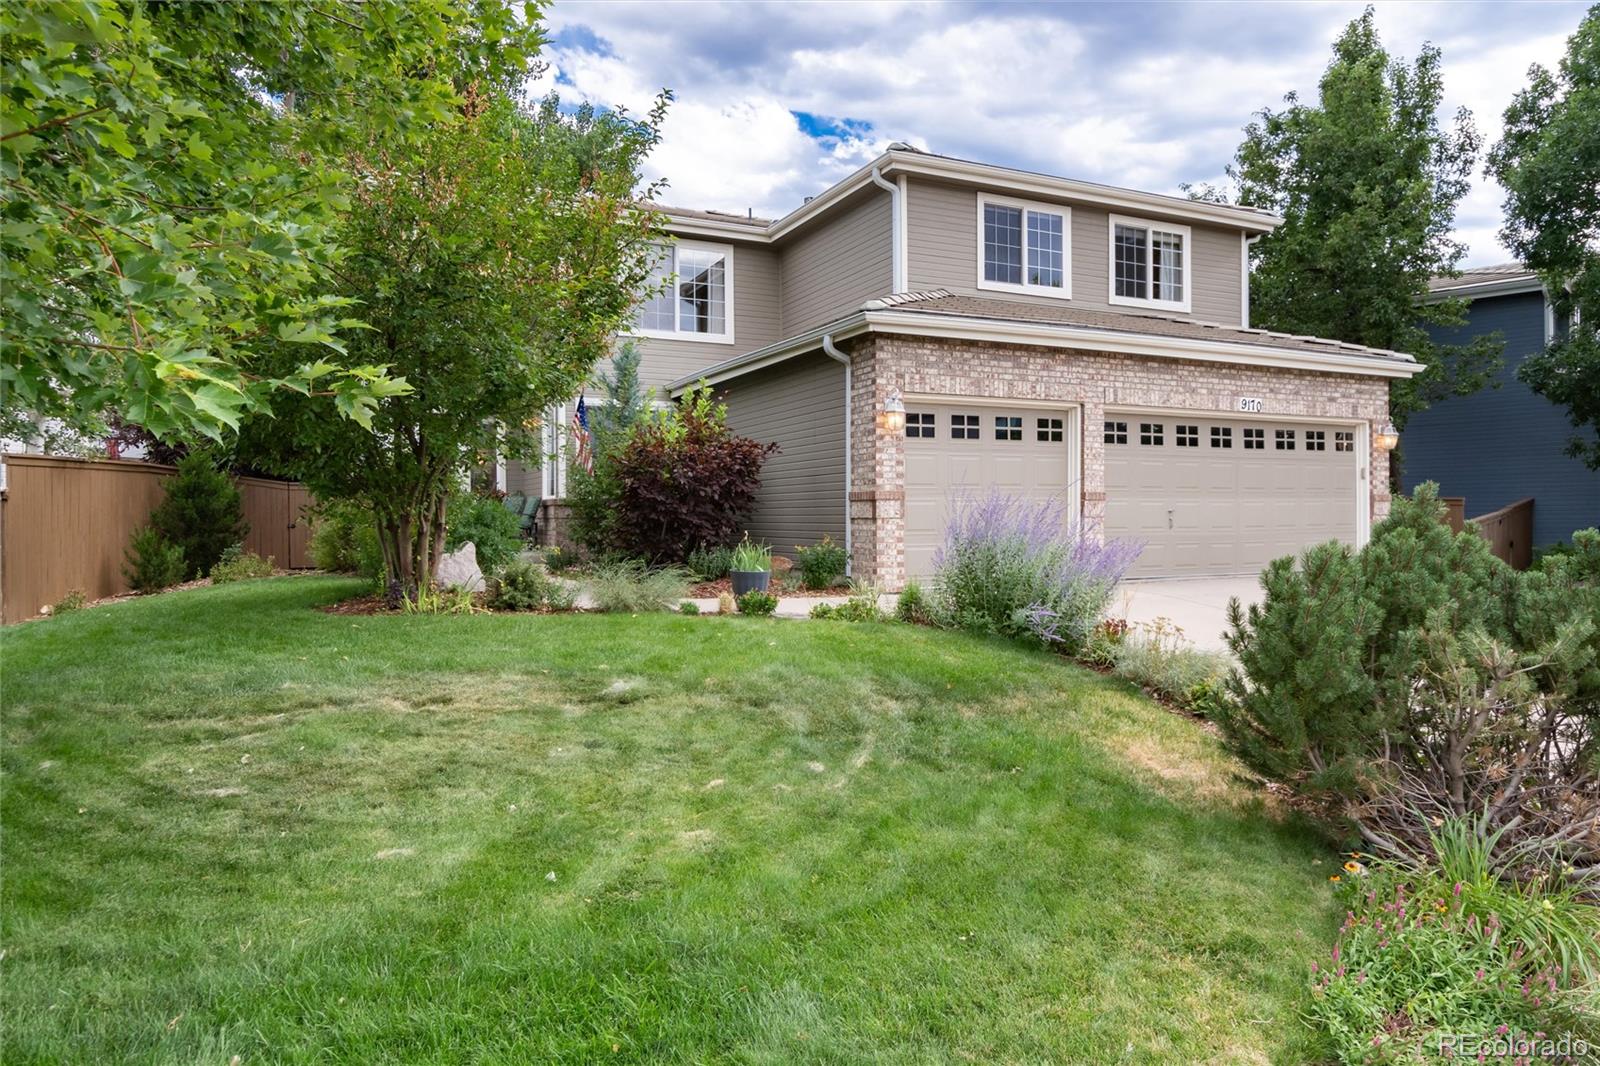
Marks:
<point>1252,405</point>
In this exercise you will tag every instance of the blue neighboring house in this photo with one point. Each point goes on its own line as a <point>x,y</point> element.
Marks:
<point>1500,445</point>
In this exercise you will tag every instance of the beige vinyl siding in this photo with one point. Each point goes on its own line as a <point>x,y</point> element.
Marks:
<point>523,477</point>
<point>832,267</point>
<point>942,253</point>
<point>799,405</point>
<point>755,324</point>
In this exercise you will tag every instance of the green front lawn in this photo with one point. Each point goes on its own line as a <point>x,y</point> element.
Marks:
<point>233,825</point>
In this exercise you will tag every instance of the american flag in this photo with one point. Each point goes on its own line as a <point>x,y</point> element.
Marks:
<point>581,442</point>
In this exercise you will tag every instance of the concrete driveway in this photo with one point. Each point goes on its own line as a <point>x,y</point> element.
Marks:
<point>1197,605</point>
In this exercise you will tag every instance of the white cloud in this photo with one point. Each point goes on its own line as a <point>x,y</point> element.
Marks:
<point>1149,96</point>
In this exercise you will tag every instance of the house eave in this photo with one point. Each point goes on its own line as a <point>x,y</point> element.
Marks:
<point>1477,290</point>
<point>987,175</point>
<point>1046,335</point>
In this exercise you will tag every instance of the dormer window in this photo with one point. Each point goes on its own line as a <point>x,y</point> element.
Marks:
<point>1024,247</point>
<point>1149,264</point>
<point>693,294</point>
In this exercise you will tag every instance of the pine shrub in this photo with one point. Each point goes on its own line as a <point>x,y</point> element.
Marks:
<point>151,562</point>
<point>237,564</point>
<point>202,513</point>
<point>1422,673</point>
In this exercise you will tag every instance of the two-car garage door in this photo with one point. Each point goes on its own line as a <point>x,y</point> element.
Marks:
<point>1205,495</point>
<point>1226,496</point>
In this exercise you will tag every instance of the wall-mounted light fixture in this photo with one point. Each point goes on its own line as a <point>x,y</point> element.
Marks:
<point>1385,438</point>
<point>892,419</point>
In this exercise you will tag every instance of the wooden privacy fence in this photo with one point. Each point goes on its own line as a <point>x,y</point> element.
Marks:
<point>1509,532</point>
<point>65,523</point>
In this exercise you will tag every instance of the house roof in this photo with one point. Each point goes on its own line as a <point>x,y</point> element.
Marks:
<point>938,312</point>
<point>1499,279</point>
<point>902,158</point>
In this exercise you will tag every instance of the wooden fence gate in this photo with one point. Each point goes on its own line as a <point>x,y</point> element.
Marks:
<point>65,523</point>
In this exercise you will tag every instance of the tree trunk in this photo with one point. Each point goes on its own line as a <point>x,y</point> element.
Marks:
<point>413,539</point>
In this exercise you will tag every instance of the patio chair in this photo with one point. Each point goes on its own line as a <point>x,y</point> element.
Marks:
<point>513,502</point>
<point>530,517</point>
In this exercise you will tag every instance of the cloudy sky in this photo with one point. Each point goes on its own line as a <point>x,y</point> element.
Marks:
<point>776,101</point>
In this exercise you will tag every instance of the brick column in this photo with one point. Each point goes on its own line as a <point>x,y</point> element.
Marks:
<point>877,494</point>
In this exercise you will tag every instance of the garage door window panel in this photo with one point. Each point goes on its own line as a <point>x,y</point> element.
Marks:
<point>1222,436</point>
<point>920,424</point>
<point>964,427</point>
<point>1008,427</point>
<point>1283,440</point>
<point>1254,439</point>
<point>1049,430</point>
<point>1152,433</point>
<point>1116,432</point>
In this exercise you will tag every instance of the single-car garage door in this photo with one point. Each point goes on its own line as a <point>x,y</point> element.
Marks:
<point>955,450</point>
<point>1226,496</point>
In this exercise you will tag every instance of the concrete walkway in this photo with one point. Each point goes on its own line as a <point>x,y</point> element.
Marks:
<point>1197,605</point>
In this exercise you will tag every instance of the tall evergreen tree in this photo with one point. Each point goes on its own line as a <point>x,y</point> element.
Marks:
<point>1549,162</point>
<point>1367,181</point>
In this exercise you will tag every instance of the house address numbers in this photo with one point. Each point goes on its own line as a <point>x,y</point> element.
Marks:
<point>1252,405</point>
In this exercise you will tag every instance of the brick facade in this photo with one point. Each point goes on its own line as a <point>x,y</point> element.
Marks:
<point>928,366</point>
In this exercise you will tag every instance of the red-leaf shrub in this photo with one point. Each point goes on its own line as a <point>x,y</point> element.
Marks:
<point>687,481</point>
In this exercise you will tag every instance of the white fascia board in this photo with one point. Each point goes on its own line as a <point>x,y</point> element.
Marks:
<point>957,327</point>
<point>1086,192</point>
<point>773,353</point>
<point>1015,181</point>
<point>1046,335</point>
<point>1478,289</point>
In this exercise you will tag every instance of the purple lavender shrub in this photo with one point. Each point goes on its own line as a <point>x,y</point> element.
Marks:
<point>1021,567</point>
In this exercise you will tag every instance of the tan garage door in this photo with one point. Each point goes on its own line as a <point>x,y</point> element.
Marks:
<point>1225,496</point>
<point>956,450</point>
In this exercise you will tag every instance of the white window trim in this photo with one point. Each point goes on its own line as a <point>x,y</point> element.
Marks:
<point>1065,291</point>
<point>1148,224</point>
<point>726,336</point>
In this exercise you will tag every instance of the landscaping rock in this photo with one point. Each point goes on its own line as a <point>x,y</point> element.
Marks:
<point>459,569</point>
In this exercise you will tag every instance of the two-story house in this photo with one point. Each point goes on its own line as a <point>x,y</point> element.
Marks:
<point>1503,443</point>
<point>930,326</point>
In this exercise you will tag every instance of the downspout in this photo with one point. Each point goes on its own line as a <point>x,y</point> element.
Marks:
<point>1244,278</point>
<point>897,229</point>
<point>834,353</point>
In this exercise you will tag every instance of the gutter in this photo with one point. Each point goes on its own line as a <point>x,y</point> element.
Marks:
<point>897,227</point>
<point>834,353</point>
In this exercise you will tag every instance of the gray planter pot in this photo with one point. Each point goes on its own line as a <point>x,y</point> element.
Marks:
<point>749,581</point>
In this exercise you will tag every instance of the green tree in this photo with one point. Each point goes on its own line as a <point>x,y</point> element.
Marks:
<point>170,177</point>
<point>201,513</point>
<point>1549,162</point>
<point>1367,181</point>
<point>493,262</point>
<point>593,493</point>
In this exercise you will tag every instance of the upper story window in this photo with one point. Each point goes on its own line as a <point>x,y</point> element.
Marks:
<point>1149,264</point>
<point>694,297</point>
<point>1024,247</point>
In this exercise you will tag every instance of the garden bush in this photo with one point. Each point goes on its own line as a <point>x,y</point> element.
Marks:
<point>1449,950</point>
<point>862,606</point>
<point>344,540</point>
<point>688,607</point>
<point>237,564</point>
<point>756,602</point>
<point>201,513</point>
<point>1104,642</point>
<point>485,521</point>
<point>821,565</point>
<point>686,480</point>
<point>1422,674</point>
<point>525,586</point>
<point>74,600</point>
<point>632,586</point>
<point>1018,567</point>
<point>710,563</point>
<point>151,562</point>
<point>1155,656</point>
<point>912,605</point>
